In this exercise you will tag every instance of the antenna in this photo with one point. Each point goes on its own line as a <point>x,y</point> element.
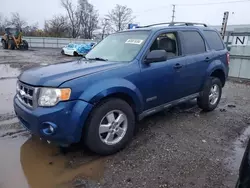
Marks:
<point>173,16</point>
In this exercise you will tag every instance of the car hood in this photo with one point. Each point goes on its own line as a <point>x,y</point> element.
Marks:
<point>56,74</point>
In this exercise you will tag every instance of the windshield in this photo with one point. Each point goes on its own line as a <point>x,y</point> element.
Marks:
<point>119,47</point>
<point>11,31</point>
<point>71,45</point>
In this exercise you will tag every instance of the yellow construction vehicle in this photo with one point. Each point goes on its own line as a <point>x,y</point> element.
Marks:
<point>12,39</point>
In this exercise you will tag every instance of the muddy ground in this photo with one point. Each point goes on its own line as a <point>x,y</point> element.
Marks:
<point>182,147</point>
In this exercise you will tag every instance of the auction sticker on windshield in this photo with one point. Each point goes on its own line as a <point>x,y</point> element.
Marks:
<point>134,41</point>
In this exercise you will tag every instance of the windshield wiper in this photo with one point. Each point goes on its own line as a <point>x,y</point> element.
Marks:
<point>98,59</point>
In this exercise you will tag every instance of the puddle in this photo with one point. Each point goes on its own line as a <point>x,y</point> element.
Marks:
<point>7,93</point>
<point>8,72</point>
<point>239,148</point>
<point>33,163</point>
<point>8,77</point>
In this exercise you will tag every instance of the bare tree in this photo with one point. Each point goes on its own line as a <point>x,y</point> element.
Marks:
<point>74,17</point>
<point>57,27</point>
<point>30,30</point>
<point>89,18</point>
<point>17,21</point>
<point>1,19</point>
<point>120,17</point>
<point>106,27</point>
<point>1,24</point>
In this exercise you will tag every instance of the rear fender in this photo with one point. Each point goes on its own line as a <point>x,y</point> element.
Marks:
<point>105,88</point>
<point>215,65</point>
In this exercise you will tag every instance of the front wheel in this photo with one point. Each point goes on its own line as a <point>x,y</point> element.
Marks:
<point>110,127</point>
<point>11,44</point>
<point>4,44</point>
<point>211,94</point>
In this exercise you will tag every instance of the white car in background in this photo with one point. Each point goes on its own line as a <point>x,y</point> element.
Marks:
<point>77,49</point>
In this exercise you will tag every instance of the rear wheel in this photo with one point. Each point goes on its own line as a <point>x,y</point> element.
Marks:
<point>211,94</point>
<point>4,44</point>
<point>76,54</point>
<point>110,127</point>
<point>25,45</point>
<point>11,44</point>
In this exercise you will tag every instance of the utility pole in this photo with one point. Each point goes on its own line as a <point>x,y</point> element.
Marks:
<point>173,16</point>
<point>224,24</point>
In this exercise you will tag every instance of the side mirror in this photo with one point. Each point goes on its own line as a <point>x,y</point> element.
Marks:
<point>156,56</point>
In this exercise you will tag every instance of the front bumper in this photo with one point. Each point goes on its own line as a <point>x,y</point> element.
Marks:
<point>68,119</point>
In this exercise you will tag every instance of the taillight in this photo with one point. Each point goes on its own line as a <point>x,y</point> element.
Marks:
<point>228,58</point>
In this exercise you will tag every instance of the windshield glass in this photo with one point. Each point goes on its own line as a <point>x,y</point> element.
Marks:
<point>71,45</point>
<point>11,31</point>
<point>120,46</point>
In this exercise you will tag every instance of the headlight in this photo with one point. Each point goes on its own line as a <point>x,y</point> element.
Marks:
<point>51,96</point>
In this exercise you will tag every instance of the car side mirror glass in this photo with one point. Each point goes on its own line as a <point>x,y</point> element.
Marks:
<point>156,56</point>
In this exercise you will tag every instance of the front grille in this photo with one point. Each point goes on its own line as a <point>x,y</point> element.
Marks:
<point>26,94</point>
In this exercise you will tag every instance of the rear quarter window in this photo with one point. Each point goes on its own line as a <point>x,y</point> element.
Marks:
<point>214,40</point>
<point>192,43</point>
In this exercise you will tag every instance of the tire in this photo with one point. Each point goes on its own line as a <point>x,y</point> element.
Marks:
<point>207,103</point>
<point>62,52</point>
<point>76,54</point>
<point>25,45</point>
<point>238,183</point>
<point>4,44</point>
<point>92,137</point>
<point>11,44</point>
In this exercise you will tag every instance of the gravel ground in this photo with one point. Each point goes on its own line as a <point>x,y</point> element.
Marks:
<point>182,147</point>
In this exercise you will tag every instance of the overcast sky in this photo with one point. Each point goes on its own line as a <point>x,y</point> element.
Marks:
<point>146,12</point>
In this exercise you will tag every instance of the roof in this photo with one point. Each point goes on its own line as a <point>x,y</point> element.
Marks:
<point>174,25</point>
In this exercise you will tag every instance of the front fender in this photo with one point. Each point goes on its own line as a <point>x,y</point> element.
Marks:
<point>94,93</point>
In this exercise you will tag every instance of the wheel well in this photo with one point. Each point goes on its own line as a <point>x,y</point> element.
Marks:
<point>122,96</point>
<point>219,74</point>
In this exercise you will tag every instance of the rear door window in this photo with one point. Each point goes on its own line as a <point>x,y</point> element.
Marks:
<point>192,43</point>
<point>214,40</point>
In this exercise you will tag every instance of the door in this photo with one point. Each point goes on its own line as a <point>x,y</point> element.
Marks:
<point>197,59</point>
<point>159,81</point>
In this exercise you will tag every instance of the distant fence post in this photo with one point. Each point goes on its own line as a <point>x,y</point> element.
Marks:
<point>227,41</point>
<point>43,43</point>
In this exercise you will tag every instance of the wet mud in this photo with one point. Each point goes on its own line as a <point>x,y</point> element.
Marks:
<point>30,162</point>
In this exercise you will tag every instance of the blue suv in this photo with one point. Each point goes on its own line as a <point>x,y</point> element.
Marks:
<point>126,77</point>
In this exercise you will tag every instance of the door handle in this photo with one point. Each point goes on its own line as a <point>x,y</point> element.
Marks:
<point>177,66</point>
<point>207,59</point>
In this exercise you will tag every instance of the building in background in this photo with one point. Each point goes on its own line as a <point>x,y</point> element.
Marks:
<point>233,27</point>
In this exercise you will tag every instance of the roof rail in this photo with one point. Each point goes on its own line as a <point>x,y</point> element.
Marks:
<point>176,23</point>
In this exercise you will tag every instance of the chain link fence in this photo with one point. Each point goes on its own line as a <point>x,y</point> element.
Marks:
<point>51,42</point>
<point>238,44</point>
